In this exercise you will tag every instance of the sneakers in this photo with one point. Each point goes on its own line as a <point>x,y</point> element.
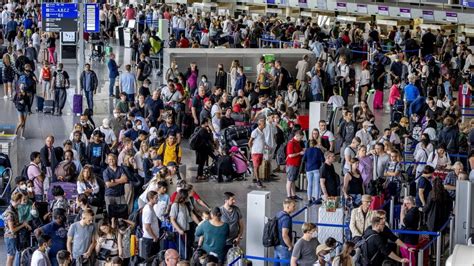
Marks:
<point>296,198</point>
<point>259,184</point>
<point>5,97</point>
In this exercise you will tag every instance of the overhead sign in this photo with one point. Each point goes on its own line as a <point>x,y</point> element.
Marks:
<point>58,17</point>
<point>468,3</point>
<point>405,12</point>
<point>428,14</point>
<point>362,8</point>
<point>452,17</point>
<point>383,10</point>
<point>341,6</point>
<point>91,19</point>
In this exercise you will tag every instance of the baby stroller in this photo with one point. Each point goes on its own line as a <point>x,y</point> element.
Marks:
<point>221,169</point>
<point>235,136</point>
<point>98,51</point>
<point>241,164</point>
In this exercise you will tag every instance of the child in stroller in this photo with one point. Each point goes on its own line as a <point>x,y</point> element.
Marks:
<point>97,52</point>
<point>228,166</point>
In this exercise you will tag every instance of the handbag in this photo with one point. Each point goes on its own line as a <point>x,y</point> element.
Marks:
<point>103,254</point>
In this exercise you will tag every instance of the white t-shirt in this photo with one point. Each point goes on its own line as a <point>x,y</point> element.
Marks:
<point>35,39</point>
<point>5,16</point>
<point>40,259</point>
<point>149,217</point>
<point>171,97</point>
<point>336,101</point>
<point>109,135</point>
<point>258,144</point>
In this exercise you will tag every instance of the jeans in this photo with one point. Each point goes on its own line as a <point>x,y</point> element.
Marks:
<point>282,253</point>
<point>90,99</point>
<point>131,97</point>
<point>318,97</point>
<point>59,99</point>
<point>111,86</point>
<point>356,200</point>
<point>314,191</point>
<point>151,248</point>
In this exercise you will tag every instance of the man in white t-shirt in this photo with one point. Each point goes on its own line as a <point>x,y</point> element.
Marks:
<point>257,145</point>
<point>110,137</point>
<point>40,256</point>
<point>5,17</point>
<point>151,229</point>
<point>328,140</point>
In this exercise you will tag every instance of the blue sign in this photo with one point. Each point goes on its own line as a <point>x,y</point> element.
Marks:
<point>468,3</point>
<point>57,17</point>
<point>91,20</point>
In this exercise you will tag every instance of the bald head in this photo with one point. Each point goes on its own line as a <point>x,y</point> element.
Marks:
<point>171,257</point>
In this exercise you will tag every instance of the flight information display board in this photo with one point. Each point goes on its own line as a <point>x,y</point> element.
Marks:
<point>58,17</point>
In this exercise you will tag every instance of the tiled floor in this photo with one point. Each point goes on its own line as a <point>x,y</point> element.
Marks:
<point>38,126</point>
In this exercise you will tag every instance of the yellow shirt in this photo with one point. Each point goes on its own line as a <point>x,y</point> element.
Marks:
<point>169,154</point>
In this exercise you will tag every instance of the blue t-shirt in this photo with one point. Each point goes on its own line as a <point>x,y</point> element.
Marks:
<point>314,158</point>
<point>131,134</point>
<point>411,92</point>
<point>109,175</point>
<point>11,26</point>
<point>284,221</point>
<point>173,129</point>
<point>423,183</point>
<point>58,235</point>
<point>28,23</point>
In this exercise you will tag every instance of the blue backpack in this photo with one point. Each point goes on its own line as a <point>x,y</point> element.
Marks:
<point>26,81</point>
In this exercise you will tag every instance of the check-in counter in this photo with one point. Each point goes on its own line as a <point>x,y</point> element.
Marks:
<point>207,59</point>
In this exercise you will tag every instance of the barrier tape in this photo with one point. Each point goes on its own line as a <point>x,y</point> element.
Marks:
<point>409,232</point>
<point>406,162</point>
<point>467,114</point>
<point>266,259</point>
<point>324,225</point>
<point>467,108</point>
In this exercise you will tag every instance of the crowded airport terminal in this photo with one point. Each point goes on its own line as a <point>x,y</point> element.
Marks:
<point>235,133</point>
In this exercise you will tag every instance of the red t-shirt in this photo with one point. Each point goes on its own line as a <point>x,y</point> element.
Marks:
<point>292,147</point>
<point>237,108</point>
<point>173,196</point>
<point>183,43</point>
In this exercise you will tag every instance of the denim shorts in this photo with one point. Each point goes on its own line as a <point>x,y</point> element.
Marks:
<point>292,173</point>
<point>10,243</point>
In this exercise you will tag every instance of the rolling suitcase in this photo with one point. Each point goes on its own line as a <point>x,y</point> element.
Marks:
<point>328,217</point>
<point>48,106</point>
<point>77,104</point>
<point>264,170</point>
<point>39,104</point>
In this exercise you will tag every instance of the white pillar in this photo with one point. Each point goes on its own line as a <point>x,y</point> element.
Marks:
<point>258,210</point>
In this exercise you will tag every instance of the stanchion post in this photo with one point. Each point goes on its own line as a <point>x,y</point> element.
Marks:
<point>420,257</point>
<point>438,249</point>
<point>392,208</point>
<point>463,107</point>
<point>306,218</point>
<point>451,234</point>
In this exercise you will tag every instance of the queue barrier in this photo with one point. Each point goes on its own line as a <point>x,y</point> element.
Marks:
<point>436,237</point>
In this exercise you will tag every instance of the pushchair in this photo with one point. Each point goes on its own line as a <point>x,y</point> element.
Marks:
<point>236,136</point>
<point>221,169</point>
<point>98,51</point>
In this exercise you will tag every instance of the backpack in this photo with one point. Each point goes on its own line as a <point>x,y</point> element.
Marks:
<point>26,81</point>
<point>46,74</point>
<point>363,245</point>
<point>136,217</point>
<point>24,171</point>
<point>194,139</point>
<point>146,69</point>
<point>417,132</point>
<point>270,233</point>
<point>60,80</point>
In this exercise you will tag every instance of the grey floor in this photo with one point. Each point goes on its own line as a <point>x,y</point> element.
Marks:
<point>38,126</point>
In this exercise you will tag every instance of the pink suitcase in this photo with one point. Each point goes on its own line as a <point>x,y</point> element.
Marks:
<point>240,162</point>
<point>378,100</point>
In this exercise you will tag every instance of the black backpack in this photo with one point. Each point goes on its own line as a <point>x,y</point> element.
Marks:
<point>24,171</point>
<point>146,69</point>
<point>194,139</point>
<point>270,236</point>
<point>363,245</point>
<point>136,217</point>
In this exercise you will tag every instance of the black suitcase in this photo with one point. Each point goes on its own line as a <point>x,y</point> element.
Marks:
<point>48,106</point>
<point>39,103</point>
<point>236,133</point>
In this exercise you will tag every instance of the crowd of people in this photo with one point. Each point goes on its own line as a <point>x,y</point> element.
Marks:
<point>102,194</point>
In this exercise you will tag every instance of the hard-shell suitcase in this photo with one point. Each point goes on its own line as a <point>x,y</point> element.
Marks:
<point>48,106</point>
<point>264,170</point>
<point>77,104</point>
<point>378,100</point>
<point>39,103</point>
<point>330,217</point>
